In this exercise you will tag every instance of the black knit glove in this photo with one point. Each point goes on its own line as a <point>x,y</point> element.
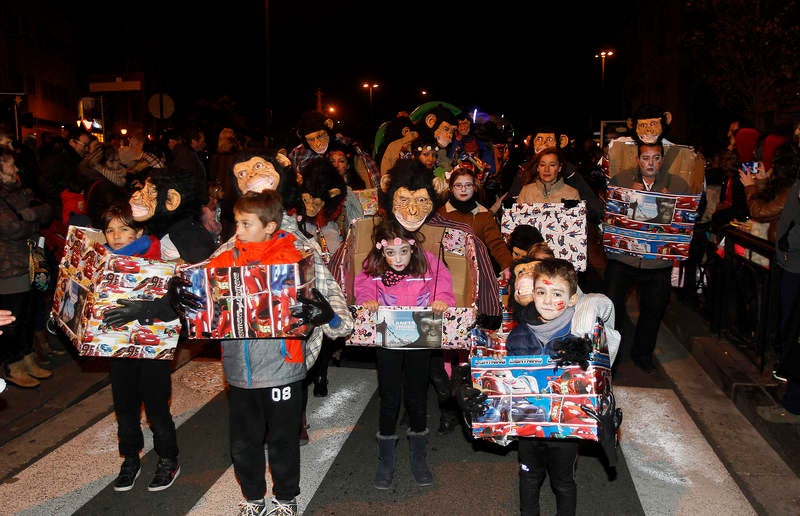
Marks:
<point>572,350</point>
<point>470,400</point>
<point>608,418</point>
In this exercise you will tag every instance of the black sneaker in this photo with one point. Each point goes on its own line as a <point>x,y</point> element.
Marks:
<point>128,473</point>
<point>167,471</point>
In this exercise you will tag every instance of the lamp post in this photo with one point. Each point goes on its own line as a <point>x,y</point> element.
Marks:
<point>370,86</point>
<point>602,55</point>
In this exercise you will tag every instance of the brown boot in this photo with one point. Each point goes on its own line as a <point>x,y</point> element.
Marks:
<point>18,375</point>
<point>42,348</point>
<point>33,368</point>
<point>42,336</point>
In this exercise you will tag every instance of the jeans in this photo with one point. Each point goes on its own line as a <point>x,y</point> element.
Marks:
<point>654,289</point>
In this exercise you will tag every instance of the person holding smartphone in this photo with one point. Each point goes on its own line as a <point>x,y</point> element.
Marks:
<point>767,188</point>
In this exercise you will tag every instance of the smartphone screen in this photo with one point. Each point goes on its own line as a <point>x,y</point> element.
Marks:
<point>750,167</point>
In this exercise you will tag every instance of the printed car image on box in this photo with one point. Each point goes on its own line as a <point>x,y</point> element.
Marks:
<point>252,301</point>
<point>528,396</point>
<point>91,279</point>
<point>649,224</point>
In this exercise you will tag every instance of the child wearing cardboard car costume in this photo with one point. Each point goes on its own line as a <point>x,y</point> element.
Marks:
<point>554,319</point>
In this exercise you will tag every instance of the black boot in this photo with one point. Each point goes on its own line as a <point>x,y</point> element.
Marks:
<point>440,380</point>
<point>387,460</point>
<point>418,442</point>
<point>320,387</point>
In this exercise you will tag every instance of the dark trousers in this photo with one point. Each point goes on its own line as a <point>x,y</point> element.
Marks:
<point>135,382</point>
<point>654,290</point>
<point>403,376</point>
<point>448,410</point>
<point>320,368</point>
<point>538,458</point>
<point>272,413</point>
<point>17,338</point>
<point>789,322</point>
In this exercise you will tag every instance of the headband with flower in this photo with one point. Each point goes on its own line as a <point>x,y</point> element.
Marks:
<point>397,241</point>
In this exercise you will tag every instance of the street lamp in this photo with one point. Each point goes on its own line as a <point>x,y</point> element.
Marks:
<point>602,55</point>
<point>370,86</point>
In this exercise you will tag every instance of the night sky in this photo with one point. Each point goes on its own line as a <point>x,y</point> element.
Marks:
<point>528,62</point>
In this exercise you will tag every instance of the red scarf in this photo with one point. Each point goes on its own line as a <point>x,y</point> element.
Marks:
<point>278,249</point>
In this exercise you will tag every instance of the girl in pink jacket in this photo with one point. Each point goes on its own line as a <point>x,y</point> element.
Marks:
<point>398,272</point>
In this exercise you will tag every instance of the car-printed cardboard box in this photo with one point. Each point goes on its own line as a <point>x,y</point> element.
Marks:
<point>90,281</point>
<point>247,302</point>
<point>530,396</point>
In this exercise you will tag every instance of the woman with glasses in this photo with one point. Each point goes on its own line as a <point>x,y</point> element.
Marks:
<point>462,206</point>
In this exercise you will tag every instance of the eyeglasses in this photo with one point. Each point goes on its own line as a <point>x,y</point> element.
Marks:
<point>464,186</point>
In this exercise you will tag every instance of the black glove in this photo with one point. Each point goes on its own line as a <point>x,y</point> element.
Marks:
<point>608,418</point>
<point>181,297</point>
<point>572,350</point>
<point>143,311</point>
<point>315,312</point>
<point>472,401</point>
<point>488,322</point>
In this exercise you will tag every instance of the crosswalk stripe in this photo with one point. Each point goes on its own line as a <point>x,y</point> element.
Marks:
<point>674,469</point>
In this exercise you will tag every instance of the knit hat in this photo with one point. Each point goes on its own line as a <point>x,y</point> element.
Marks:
<point>746,141</point>
<point>768,146</point>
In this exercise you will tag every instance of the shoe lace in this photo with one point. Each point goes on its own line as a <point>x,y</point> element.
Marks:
<point>250,508</point>
<point>283,509</point>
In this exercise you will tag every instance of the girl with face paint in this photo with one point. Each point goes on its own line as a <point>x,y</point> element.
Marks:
<point>398,272</point>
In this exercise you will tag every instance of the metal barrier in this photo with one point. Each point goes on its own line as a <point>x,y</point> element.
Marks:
<point>745,300</point>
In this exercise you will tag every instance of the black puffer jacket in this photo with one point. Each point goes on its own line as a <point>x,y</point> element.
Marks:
<point>16,204</point>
